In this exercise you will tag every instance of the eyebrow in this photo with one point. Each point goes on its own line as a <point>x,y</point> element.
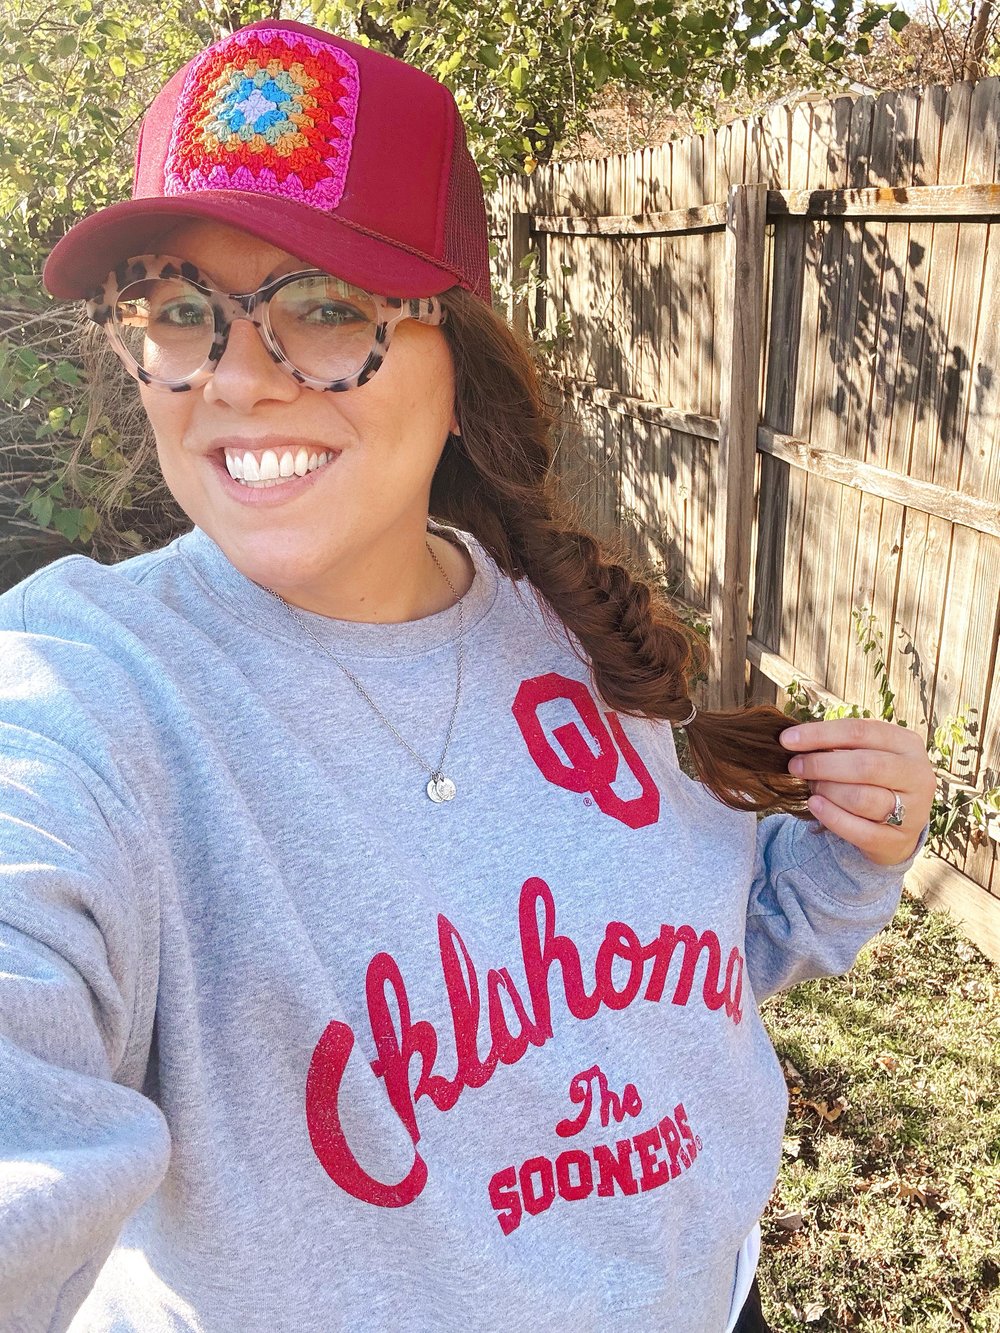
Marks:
<point>292,267</point>
<point>297,266</point>
<point>275,274</point>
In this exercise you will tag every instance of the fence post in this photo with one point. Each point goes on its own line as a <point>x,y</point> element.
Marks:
<point>740,322</point>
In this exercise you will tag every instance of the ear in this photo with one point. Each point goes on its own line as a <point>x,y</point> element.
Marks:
<point>454,428</point>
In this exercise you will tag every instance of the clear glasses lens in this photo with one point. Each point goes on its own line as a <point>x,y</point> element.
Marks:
<point>324,326</point>
<point>167,325</point>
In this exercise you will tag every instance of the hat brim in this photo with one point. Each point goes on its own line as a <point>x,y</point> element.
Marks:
<point>83,258</point>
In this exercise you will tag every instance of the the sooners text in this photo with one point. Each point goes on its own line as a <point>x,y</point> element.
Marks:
<point>645,1161</point>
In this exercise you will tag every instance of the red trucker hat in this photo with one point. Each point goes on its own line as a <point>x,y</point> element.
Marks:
<point>347,158</point>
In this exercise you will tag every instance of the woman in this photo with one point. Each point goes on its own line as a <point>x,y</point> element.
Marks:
<point>369,962</point>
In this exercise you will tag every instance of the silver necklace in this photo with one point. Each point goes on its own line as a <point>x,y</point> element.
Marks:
<point>440,787</point>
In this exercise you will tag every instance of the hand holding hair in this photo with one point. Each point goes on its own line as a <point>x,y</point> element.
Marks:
<point>855,767</point>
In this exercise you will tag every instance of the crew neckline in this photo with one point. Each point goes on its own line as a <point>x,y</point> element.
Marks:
<point>265,614</point>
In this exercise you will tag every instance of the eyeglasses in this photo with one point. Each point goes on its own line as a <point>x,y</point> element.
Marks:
<point>169,323</point>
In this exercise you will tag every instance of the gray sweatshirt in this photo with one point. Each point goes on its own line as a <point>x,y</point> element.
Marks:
<point>286,1045</point>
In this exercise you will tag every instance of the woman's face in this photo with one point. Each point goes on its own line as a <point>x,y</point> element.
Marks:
<point>364,515</point>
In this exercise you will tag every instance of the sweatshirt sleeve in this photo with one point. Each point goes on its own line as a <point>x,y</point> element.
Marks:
<point>80,1146</point>
<point>815,901</point>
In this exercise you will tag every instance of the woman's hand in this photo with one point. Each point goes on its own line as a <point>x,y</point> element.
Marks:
<point>853,765</point>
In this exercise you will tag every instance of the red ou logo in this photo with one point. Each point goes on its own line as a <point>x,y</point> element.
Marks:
<point>586,770</point>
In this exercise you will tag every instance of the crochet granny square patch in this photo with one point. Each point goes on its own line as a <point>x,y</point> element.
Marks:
<point>269,111</point>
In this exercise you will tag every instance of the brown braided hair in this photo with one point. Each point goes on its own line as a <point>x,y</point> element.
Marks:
<point>496,481</point>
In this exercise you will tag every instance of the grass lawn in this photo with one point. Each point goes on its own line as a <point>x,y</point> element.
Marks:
<point>886,1214</point>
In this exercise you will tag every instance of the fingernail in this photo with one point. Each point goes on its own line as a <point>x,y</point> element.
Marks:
<point>791,735</point>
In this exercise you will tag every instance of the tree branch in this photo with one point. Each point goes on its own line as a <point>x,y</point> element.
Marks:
<point>980,31</point>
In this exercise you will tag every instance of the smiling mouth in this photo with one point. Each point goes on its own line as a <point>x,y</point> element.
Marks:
<point>270,470</point>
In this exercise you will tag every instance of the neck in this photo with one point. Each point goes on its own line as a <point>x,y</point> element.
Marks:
<point>389,588</point>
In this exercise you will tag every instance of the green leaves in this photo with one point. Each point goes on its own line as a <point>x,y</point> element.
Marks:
<point>73,522</point>
<point>597,62</point>
<point>407,22</point>
<point>36,71</point>
<point>40,507</point>
<point>555,57</point>
<point>112,28</point>
<point>67,373</point>
<point>79,83</point>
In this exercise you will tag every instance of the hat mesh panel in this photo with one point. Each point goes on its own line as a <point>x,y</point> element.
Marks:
<point>466,247</point>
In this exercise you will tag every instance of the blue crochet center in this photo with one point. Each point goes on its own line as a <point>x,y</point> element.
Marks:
<point>236,120</point>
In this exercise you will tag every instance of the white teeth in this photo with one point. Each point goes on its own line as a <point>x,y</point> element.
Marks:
<point>270,472</point>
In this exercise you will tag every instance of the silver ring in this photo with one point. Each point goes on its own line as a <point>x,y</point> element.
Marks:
<point>898,811</point>
<point>689,718</point>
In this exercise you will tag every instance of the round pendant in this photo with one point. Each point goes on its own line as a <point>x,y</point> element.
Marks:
<point>440,789</point>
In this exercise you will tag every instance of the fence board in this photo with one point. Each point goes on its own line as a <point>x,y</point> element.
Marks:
<point>686,192</point>
<point>927,540</point>
<point>706,247</point>
<point>893,204</point>
<point>633,333</point>
<point>796,607</point>
<point>848,367</point>
<point>823,502</point>
<point>879,483</point>
<point>825,428</point>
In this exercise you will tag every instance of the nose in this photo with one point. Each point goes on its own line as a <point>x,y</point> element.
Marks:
<point>247,374</point>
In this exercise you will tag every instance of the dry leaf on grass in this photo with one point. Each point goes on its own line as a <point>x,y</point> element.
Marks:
<point>976,991</point>
<point>792,1076</point>
<point>926,1195</point>
<point>826,1111</point>
<point>810,1315</point>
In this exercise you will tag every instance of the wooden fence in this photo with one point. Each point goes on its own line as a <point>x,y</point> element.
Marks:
<point>783,385</point>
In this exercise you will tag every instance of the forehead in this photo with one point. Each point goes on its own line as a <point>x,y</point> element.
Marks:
<point>236,258</point>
